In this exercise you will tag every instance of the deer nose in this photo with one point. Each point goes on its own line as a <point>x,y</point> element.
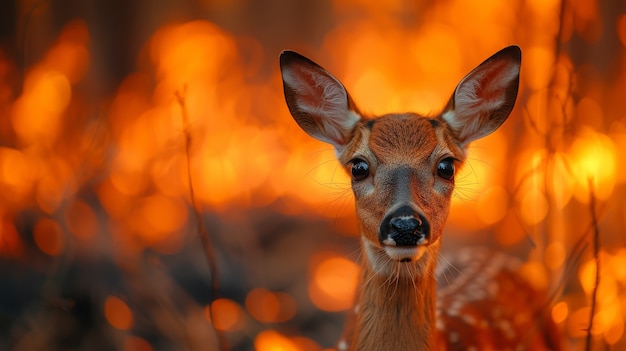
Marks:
<point>404,227</point>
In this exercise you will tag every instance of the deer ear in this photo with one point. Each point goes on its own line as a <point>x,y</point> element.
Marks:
<point>317,101</point>
<point>485,97</point>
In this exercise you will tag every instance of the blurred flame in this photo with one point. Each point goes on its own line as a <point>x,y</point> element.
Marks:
<point>48,236</point>
<point>271,340</point>
<point>560,312</point>
<point>479,199</point>
<point>17,174</point>
<point>593,158</point>
<point>305,344</point>
<point>562,182</point>
<point>333,282</point>
<point>270,307</point>
<point>577,322</point>
<point>82,220</point>
<point>534,206</point>
<point>117,313</point>
<point>539,62</point>
<point>511,233</point>
<point>156,219</point>
<point>586,19</point>
<point>53,184</point>
<point>609,317</point>
<point>135,343</point>
<point>10,242</point>
<point>555,255</point>
<point>492,205</point>
<point>535,274</point>
<point>227,315</point>
<point>37,114</point>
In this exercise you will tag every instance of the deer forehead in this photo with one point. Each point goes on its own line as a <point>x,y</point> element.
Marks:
<point>408,139</point>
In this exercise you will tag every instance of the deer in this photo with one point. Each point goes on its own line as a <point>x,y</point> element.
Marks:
<point>402,168</point>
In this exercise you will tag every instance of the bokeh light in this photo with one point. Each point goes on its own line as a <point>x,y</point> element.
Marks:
<point>117,313</point>
<point>333,282</point>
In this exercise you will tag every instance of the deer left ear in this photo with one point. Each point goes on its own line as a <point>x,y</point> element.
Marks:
<point>317,100</point>
<point>485,97</point>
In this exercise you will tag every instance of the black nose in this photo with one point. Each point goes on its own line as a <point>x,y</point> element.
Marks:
<point>404,227</point>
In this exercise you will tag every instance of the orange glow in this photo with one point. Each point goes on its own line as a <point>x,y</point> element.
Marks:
<point>615,331</point>
<point>134,343</point>
<point>609,317</point>
<point>539,61</point>
<point>37,115</point>
<point>510,232</point>
<point>157,219</point>
<point>333,283</point>
<point>560,312</point>
<point>70,56</point>
<point>270,307</point>
<point>593,158</point>
<point>619,261</point>
<point>479,201</point>
<point>162,214</point>
<point>586,19</point>
<point>533,202</point>
<point>537,105</point>
<point>563,184</point>
<point>82,220</point>
<point>16,174</point>
<point>116,203</point>
<point>535,274</point>
<point>588,276</point>
<point>182,53</point>
<point>271,340</point>
<point>117,313</point>
<point>577,322</point>
<point>49,237</point>
<point>492,205</point>
<point>10,242</point>
<point>227,315</point>
<point>54,184</point>
<point>305,344</point>
<point>534,206</point>
<point>555,255</point>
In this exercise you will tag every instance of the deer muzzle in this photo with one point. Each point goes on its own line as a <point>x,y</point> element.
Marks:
<point>404,226</point>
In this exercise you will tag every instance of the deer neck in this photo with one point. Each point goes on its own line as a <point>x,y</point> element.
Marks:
<point>397,306</point>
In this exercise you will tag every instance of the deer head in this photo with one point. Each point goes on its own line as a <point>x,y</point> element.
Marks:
<point>402,165</point>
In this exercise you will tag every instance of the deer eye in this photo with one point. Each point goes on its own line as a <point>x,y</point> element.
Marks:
<point>445,168</point>
<point>360,170</point>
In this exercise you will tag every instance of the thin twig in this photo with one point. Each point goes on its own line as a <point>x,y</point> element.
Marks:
<point>202,232</point>
<point>596,257</point>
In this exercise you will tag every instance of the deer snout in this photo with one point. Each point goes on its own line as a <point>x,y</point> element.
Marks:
<point>404,226</point>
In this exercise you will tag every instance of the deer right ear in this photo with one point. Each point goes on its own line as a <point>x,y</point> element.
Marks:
<point>485,97</point>
<point>317,101</point>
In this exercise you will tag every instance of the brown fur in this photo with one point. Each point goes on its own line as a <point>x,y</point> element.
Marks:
<point>397,311</point>
<point>397,303</point>
<point>407,143</point>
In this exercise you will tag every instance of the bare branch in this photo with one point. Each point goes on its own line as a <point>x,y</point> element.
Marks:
<point>205,239</point>
<point>596,257</point>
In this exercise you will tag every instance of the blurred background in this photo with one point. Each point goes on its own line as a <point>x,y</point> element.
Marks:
<point>103,103</point>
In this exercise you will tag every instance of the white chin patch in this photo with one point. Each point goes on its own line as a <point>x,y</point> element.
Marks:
<point>405,254</point>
